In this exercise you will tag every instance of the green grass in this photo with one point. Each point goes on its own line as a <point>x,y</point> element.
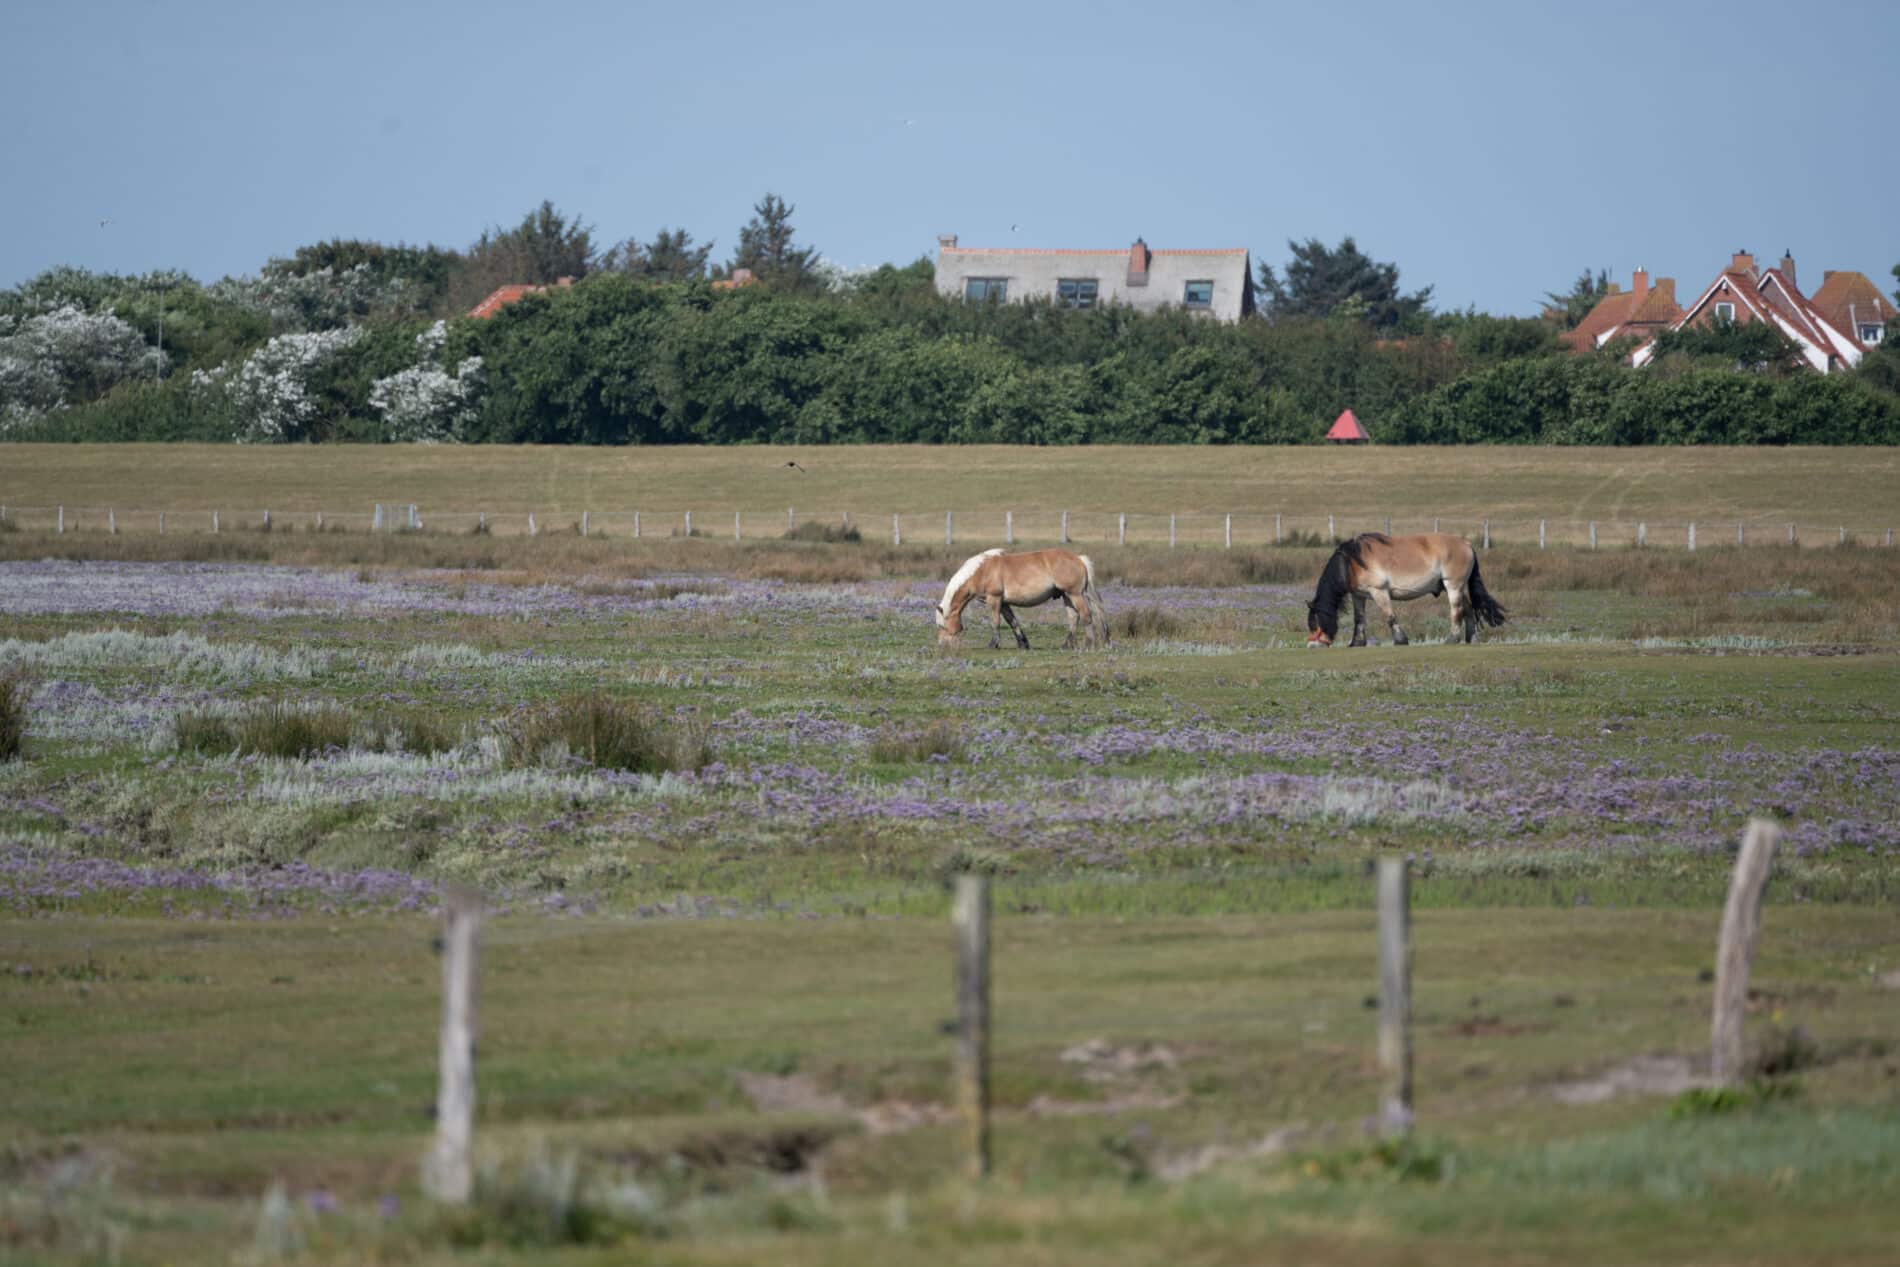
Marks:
<point>206,1059</point>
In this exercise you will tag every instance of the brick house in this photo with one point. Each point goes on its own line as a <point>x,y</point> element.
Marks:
<point>1643,311</point>
<point>502,296</point>
<point>1217,282</point>
<point>1744,292</point>
<point>1851,303</point>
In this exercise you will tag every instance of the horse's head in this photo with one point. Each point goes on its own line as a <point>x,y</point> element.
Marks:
<point>1322,625</point>
<point>949,626</point>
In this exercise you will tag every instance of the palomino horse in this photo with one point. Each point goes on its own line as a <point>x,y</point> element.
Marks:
<point>1373,565</point>
<point>1006,581</point>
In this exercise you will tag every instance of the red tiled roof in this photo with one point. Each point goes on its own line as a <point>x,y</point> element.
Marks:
<point>1847,299</point>
<point>502,296</point>
<point>1346,427</point>
<point>1610,312</point>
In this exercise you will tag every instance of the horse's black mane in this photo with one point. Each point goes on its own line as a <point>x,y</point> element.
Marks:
<point>1335,582</point>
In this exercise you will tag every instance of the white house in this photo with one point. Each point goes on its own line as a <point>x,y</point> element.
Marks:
<point>1217,282</point>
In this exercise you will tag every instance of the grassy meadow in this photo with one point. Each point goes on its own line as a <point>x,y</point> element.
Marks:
<point>714,793</point>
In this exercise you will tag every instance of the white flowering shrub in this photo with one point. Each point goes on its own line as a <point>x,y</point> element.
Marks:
<point>427,404</point>
<point>50,359</point>
<point>268,396</point>
<point>322,299</point>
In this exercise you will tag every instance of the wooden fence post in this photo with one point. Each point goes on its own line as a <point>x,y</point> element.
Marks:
<point>1790,534</point>
<point>636,525</point>
<point>689,523</point>
<point>1121,530</point>
<point>1170,532</point>
<point>1434,523</point>
<point>535,532</point>
<point>897,531</point>
<point>376,519</point>
<point>1279,537</point>
<point>791,520</point>
<point>847,521</point>
<point>1843,534</point>
<point>583,523</point>
<point>1065,527</point>
<point>1395,997</point>
<point>1642,533</point>
<point>1009,527</point>
<point>161,522</point>
<point>1487,534</point>
<point>736,531</point>
<point>449,1175</point>
<point>1740,539</point>
<point>1735,952</point>
<point>320,522</point>
<point>1593,534</point>
<point>214,522</point>
<point>1230,532</point>
<point>62,521</point>
<point>112,521</point>
<point>971,916</point>
<point>1692,534</point>
<point>1540,534</point>
<point>949,528</point>
<point>1330,534</point>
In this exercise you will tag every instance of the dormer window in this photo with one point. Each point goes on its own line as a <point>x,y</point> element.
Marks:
<point>1725,312</point>
<point>1871,334</point>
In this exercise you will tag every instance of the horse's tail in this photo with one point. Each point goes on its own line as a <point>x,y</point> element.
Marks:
<point>1485,606</point>
<point>1098,619</point>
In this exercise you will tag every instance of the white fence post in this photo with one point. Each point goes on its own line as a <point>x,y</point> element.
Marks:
<point>689,523</point>
<point>1739,538</point>
<point>214,522</point>
<point>1170,532</point>
<point>735,525</point>
<point>636,525</point>
<point>1121,530</point>
<point>413,522</point>
<point>1009,527</point>
<point>62,520</point>
<point>112,520</point>
<point>897,531</point>
<point>535,532</point>
<point>583,523</point>
<point>1889,536</point>
<point>1487,534</point>
<point>1790,534</point>
<point>1279,537</point>
<point>1735,951</point>
<point>376,520</point>
<point>847,521</point>
<point>1692,534</point>
<point>1540,534</point>
<point>320,521</point>
<point>450,1174</point>
<point>1434,523</point>
<point>791,520</point>
<point>970,914</point>
<point>1331,534</point>
<point>1230,532</point>
<point>1642,533</point>
<point>161,523</point>
<point>1388,525</point>
<point>949,528</point>
<point>1593,534</point>
<point>1395,998</point>
<point>1065,527</point>
<point>1843,534</point>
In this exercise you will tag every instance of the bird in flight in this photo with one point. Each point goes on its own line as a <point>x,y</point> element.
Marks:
<point>104,223</point>
<point>796,467</point>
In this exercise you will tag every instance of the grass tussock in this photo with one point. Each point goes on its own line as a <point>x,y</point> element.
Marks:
<point>825,534</point>
<point>941,740</point>
<point>269,728</point>
<point>599,730</point>
<point>1145,624</point>
<point>14,694</point>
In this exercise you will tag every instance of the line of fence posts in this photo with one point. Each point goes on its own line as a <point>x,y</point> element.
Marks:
<point>448,1170</point>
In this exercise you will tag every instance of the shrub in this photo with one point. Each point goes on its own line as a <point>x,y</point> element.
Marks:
<point>604,732</point>
<point>14,693</point>
<point>205,733</point>
<point>940,740</point>
<point>412,731</point>
<point>269,728</point>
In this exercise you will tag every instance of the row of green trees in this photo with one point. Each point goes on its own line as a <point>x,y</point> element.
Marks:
<point>337,343</point>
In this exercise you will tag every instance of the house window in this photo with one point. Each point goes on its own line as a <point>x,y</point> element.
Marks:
<point>1198,295</point>
<point>996,288</point>
<point>1871,334</point>
<point>1725,312</point>
<point>1076,292</point>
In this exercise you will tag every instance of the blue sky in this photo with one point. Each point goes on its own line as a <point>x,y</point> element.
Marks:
<point>1492,151</point>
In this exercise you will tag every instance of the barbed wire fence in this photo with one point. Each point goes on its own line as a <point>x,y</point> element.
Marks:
<point>1250,529</point>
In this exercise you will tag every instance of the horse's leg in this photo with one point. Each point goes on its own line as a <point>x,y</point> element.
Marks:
<point>1080,610</point>
<point>1068,643</point>
<point>1009,614</point>
<point>995,604</point>
<point>1358,621</point>
<point>1456,597</point>
<point>1384,601</point>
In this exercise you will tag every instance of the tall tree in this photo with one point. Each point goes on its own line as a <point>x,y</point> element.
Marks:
<point>1320,279</point>
<point>766,247</point>
<point>546,246</point>
<point>1566,308</point>
<point>669,257</point>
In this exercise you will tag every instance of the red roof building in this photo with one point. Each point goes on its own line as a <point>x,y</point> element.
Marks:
<point>1743,293</point>
<point>1346,430</point>
<point>1851,303</point>
<point>1642,310</point>
<point>502,296</point>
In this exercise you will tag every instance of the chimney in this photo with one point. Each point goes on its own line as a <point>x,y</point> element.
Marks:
<point>1639,284</point>
<point>946,241</point>
<point>1138,263</point>
<point>1787,267</point>
<point>1742,263</point>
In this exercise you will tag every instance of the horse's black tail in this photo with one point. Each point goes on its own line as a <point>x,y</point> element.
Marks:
<point>1485,606</point>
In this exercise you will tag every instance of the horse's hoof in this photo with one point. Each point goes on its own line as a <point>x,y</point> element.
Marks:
<point>1357,642</point>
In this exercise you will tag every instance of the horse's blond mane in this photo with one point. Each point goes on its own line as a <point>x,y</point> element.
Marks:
<point>970,565</point>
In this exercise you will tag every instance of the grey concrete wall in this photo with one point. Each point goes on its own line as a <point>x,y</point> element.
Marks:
<point>1034,274</point>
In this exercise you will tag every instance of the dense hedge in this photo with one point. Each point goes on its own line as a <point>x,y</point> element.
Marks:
<point>616,360</point>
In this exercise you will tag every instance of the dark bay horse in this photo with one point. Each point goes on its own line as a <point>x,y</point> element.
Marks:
<point>1373,565</point>
<point>1005,581</point>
